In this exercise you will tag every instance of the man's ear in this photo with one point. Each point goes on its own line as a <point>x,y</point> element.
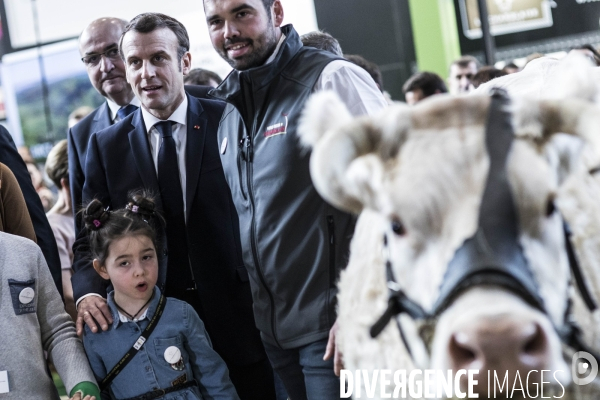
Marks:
<point>186,63</point>
<point>100,269</point>
<point>277,13</point>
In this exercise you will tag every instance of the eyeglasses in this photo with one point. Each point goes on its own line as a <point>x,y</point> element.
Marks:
<point>93,60</point>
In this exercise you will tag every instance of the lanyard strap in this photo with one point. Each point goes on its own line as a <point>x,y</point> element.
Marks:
<point>136,346</point>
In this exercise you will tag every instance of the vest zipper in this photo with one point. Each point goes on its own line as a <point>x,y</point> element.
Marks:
<point>249,157</point>
<point>241,156</point>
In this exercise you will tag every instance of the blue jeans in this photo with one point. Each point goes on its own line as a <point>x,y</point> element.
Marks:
<point>304,373</point>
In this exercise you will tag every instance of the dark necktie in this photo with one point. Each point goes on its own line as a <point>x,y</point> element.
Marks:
<point>125,111</point>
<point>179,276</point>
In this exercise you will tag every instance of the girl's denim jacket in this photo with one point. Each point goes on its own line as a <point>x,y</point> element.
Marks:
<point>148,370</point>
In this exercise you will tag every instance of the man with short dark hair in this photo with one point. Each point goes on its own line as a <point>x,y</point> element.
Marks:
<point>422,85</point>
<point>461,73</point>
<point>169,147</point>
<point>369,66</point>
<point>294,243</point>
<point>204,77</point>
<point>322,40</point>
<point>99,50</point>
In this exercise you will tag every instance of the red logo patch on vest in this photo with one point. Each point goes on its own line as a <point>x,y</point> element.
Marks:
<point>279,128</point>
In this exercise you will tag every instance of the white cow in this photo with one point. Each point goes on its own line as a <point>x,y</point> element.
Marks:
<point>417,177</point>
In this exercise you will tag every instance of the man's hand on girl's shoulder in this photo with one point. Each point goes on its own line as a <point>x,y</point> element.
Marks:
<point>94,312</point>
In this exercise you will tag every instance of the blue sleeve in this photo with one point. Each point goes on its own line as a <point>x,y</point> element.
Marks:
<point>75,178</point>
<point>93,355</point>
<point>10,157</point>
<point>208,367</point>
<point>86,280</point>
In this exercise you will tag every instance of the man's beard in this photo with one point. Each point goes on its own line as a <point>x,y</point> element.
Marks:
<point>263,47</point>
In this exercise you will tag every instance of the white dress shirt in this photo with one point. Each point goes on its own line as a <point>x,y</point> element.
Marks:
<point>179,116</point>
<point>351,83</point>
<point>114,107</point>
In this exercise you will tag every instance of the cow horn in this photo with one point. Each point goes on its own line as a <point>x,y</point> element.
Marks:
<point>338,144</point>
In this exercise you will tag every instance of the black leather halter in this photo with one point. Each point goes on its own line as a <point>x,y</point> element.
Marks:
<point>493,255</point>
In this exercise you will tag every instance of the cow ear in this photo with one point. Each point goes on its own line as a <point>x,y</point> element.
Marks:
<point>323,112</point>
<point>365,177</point>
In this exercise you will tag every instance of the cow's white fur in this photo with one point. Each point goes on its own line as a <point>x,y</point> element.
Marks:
<point>382,167</point>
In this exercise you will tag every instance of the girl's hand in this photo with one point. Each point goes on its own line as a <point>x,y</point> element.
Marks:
<point>77,396</point>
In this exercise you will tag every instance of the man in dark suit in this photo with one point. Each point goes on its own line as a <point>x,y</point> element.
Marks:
<point>10,157</point>
<point>169,146</point>
<point>99,49</point>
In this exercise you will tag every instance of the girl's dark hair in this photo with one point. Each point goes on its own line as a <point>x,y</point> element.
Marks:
<point>103,226</point>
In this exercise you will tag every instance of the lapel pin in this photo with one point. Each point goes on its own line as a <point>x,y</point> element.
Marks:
<point>173,357</point>
<point>196,126</point>
<point>26,296</point>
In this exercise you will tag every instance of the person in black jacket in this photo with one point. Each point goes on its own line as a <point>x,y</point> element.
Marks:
<point>10,157</point>
<point>169,147</point>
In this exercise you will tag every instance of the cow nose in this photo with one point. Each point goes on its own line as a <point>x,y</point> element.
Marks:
<point>500,345</point>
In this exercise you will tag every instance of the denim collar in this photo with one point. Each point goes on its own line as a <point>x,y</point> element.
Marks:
<point>115,312</point>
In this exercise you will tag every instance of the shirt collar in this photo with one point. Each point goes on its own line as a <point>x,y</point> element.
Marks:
<point>114,107</point>
<point>117,315</point>
<point>274,54</point>
<point>179,115</point>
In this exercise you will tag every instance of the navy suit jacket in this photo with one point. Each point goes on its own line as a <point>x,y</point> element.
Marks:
<point>45,238</point>
<point>119,160</point>
<point>78,137</point>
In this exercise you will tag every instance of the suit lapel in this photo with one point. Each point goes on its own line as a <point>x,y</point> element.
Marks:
<point>196,131</point>
<point>102,119</point>
<point>140,148</point>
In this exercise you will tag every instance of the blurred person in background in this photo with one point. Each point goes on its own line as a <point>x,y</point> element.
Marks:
<point>78,114</point>
<point>588,51</point>
<point>510,68</point>
<point>422,85</point>
<point>486,74</point>
<point>368,66</point>
<point>204,77</point>
<point>61,218</point>
<point>323,41</point>
<point>37,179</point>
<point>373,70</point>
<point>461,74</point>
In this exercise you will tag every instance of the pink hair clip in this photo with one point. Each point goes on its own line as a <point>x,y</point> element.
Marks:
<point>97,223</point>
<point>134,209</point>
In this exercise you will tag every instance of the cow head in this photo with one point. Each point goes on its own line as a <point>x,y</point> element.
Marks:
<point>423,170</point>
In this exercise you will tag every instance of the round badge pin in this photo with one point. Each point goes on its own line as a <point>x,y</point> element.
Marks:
<point>26,296</point>
<point>172,355</point>
<point>223,145</point>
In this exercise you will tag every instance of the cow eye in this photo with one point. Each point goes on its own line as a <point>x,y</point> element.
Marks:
<point>398,227</point>
<point>550,207</point>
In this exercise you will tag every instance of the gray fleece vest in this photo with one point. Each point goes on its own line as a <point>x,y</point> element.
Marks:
<point>293,242</point>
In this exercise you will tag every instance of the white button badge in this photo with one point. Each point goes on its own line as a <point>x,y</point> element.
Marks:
<point>173,357</point>
<point>223,145</point>
<point>26,296</point>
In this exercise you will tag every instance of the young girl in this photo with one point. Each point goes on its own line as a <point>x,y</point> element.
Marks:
<point>176,361</point>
